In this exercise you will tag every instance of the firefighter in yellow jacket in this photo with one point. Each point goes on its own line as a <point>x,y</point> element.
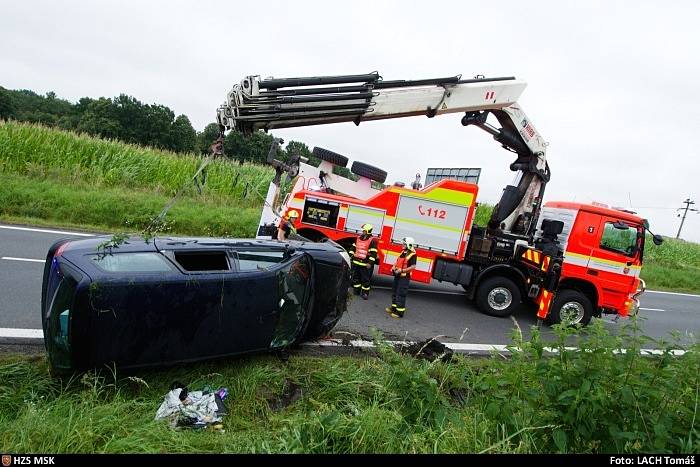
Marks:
<point>364,257</point>
<point>405,263</point>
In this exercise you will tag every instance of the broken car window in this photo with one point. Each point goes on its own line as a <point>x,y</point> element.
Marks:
<point>258,260</point>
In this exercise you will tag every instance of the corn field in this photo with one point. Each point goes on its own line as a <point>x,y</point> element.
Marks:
<point>41,152</point>
<point>674,253</point>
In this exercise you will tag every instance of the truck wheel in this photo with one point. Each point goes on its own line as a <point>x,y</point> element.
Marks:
<point>571,308</point>
<point>369,171</point>
<point>498,296</point>
<point>330,156</point>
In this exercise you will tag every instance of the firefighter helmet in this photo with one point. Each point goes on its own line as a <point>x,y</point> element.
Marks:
<point>367,228</point>
<point>409,242</point>
<point>292,214</point>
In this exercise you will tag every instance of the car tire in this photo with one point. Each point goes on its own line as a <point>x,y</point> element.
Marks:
<point>330,156</point>
<point>498,296</point>
<point>365,170</point>
<point>570,307</point>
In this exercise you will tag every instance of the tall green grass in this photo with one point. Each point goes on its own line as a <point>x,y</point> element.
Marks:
<point>595,401</point>
<point>40,152</point>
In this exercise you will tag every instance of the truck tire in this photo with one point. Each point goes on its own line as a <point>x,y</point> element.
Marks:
<point>330,156</point>
<point>369,171</point>
<point>498,296</point>
<point>571,307</point>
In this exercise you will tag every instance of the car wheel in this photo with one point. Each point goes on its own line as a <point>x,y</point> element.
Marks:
<point>571,308</point>
<point>369,171</point>
<point>498,296</point>
<point>330,156</point>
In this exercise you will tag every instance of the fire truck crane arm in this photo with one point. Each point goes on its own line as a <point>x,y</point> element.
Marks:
<point>265,104</point>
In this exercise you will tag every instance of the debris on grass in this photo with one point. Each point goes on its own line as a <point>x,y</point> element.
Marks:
<point>193,409</point>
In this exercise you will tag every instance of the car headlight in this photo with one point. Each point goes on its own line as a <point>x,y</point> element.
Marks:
<point>345,256</point>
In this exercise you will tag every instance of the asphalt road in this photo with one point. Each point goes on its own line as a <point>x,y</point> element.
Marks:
<point>432,310</point>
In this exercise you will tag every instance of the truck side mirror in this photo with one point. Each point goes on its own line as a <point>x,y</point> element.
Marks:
<point>658,240</point>
<point>645,223</point>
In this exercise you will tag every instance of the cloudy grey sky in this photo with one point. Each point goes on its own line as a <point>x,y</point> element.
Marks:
<point>612,85</point>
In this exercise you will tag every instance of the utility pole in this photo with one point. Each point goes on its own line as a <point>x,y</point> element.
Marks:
<point>685,210</point>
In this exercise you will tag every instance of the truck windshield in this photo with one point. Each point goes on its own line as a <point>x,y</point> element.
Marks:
<point>620,240</point>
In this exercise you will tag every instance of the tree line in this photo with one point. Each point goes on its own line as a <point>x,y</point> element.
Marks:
<point>127,119</point>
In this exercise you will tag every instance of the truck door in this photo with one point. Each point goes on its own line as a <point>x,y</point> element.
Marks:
<point>615,261</point>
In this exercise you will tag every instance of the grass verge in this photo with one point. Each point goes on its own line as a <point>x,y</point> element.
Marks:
<point>109,209</point>
<point>596,400</point>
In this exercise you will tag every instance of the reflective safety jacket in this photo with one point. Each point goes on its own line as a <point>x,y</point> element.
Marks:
<point>364,251</point>
<point>405,260</point>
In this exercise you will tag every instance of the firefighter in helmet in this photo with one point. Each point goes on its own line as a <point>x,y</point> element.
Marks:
<point>364,257</point>
<point>286,225</point>
<point>405,263</point>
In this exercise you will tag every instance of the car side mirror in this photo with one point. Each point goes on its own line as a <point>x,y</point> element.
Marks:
<point>658,240</point>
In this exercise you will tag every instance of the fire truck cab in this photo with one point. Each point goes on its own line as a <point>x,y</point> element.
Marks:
<point>603,254</point>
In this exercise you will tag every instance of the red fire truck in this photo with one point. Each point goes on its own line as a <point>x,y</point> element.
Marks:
<point>518,257</point>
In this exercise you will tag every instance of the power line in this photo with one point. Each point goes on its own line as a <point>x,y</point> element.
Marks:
<point>685,210</point>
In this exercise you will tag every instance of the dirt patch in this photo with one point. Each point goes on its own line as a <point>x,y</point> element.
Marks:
<point>430,350</point>
<point>291,392</point>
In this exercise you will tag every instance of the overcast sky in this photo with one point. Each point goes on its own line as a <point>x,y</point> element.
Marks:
<point>612,86</point>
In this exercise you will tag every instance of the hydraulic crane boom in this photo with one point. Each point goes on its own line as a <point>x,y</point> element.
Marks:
<point>264,104</point>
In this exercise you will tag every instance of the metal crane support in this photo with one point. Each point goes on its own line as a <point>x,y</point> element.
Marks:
<point>265,104</point>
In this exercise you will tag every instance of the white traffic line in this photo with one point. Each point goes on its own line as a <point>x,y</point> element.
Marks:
<point>60,232</point>
<point>22,333</point>
<point>28,260</point>
<point>651,309</point>
<point>363,344</point>
<point>461,347</point>
<point>672,293</point>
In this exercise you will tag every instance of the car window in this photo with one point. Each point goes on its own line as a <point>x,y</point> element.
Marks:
<point>258,260</point>
<point>619,240</point>
<point>132,262</point>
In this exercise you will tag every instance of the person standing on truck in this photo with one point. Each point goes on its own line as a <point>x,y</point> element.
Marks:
<point>286,225</point>
<point>364,257</point>
<point>405,263</point>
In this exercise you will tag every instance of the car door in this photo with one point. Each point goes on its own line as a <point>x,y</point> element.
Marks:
<point>294,282</point>
<point>254,302</point>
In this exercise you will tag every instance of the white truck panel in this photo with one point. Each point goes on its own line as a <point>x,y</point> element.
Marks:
<point>567,216</point>
<point>359,215</point>
<point>434,225</point>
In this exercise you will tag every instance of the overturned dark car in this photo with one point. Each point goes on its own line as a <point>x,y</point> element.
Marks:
<point>167,300</point>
